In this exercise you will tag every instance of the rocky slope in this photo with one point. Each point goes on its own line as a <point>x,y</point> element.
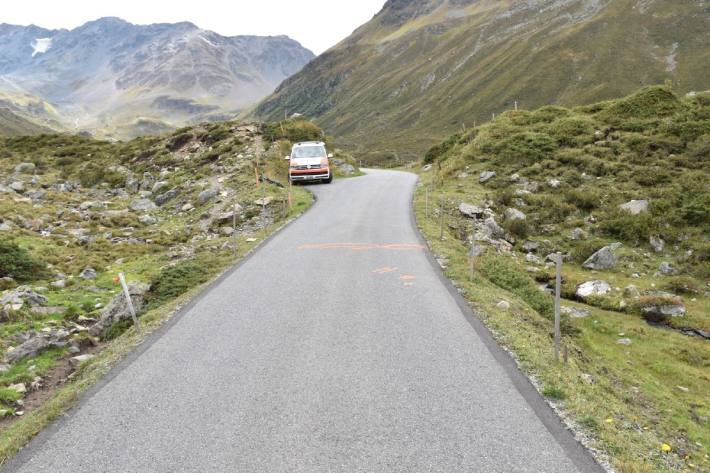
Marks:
<point>423,69</point>
<point>108,74</point>
<point>620,189</point>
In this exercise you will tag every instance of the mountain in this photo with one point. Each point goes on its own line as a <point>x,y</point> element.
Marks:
<point>422,69</point>
<point>109,74</point>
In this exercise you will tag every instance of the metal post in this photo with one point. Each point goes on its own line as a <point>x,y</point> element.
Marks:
<point>441,214</point>
<point>558,289</point>
<point>129,302</point>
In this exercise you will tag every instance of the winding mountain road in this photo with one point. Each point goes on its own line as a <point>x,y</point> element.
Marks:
<point>336,347</point>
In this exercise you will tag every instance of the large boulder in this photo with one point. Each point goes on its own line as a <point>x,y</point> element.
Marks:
<point>602,259</point>
<point>578,234</point>
<point>471,211</point>
<point>347,169</point>
<point>657,243</point>
<point>659,308</point>
<point>163,198</point>
<point>117,309</point>
<point>20,296</point>
<point>635,207</point>
<point>37,344</point>
<point>593,288</point>
<point>668,269</point>
<point>88,273</point>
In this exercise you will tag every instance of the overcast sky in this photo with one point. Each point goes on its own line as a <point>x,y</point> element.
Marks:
<point>316,24</point>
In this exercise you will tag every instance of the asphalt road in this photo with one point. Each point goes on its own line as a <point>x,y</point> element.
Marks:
<point>336,347</point>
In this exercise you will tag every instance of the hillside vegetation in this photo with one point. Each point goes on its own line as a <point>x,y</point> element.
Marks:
<point>171,212</point>
<point>421,70</point>
<point>622,190</point>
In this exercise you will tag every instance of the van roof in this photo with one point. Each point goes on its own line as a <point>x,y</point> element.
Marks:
<point>309,143</point>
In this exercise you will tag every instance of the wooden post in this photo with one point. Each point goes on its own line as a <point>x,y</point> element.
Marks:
<point>516,105</point>
<point>129,302</point>
<point>441,215</point>
<point>426,202</point>
<point>558,290</point>
<point>234,228</point>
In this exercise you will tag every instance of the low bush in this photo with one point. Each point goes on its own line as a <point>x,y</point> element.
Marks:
<point>176,280</point>
<point>17,263</point>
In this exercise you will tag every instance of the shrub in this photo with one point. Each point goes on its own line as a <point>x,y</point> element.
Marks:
<point>682,284</point>
<point>553,392</point>
<point>649,102</point>
<point>524,148</point>
<point>517,228</point>
<point>178,141</point>
<point>697,211</point>
<point>625,226</point>
<point>17,263</point>
<point>572,131</point>
<point>176,280</point>
<point>441,149</point>
<point>584,198</point>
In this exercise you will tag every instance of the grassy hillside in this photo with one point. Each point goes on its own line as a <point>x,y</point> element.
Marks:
<point>422,70</point>
<point>159,209</point>
<point>12,124</point>
<point>637,380</point>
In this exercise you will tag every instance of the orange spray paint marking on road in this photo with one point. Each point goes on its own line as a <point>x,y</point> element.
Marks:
<point>385,270</point>
<point>407,277</point>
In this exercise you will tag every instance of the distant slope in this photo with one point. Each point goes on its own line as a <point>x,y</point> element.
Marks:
<point>108,73</point>
<point>422,69</point>
<point>12,124</point>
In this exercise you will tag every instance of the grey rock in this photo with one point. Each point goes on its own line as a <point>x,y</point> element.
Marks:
<point>142,205</point>
<point>264,201</point>
<point>77,360</point>
<point>226,231</point>
<point>158,186</point>
<point>347,169</point>
<point>88,273</point>
<point>593,288</point>
<point>147,182</point>
<point>532,258</point>
<point>426,167</point>
<point>574,312</point>
<point>632,292</point>
<point>165,197</point>
<point>147,219</point>
<point>660,311</point>
<point>207,195</point>
<point>37,344</point>
<point>635,207</point>
<point>17,186</point>
<point>602,259</point>
<point>4,367</point>
<point>657,243</point>
<point>512,214</point>
<point>514,177</point>
<point>503,305</point>
<point>117,309</point>
<point>471,211</point>
<point>22,295</point>
<point>531,246</point>
<point>7,282</point>
<point>495,230</point>
<point>554,183</point>
<point>578,234</point>
<point>486,176</point>
<point>624,341</point>
<point>25,168</point>
<point>59,284</point>
<point>667,269</point>
<point>187,207</point>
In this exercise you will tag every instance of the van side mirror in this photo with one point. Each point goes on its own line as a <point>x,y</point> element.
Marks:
<point>330,156</point>
<point>288,157</point>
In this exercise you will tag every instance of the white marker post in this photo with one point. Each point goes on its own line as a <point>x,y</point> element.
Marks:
<point>426,202</point>
<point>234,229</point>
<point>129,301</point>
<point>558,290</point>
<point>441,212</point>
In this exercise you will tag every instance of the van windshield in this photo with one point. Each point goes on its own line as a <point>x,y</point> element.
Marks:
<point>309,152</point>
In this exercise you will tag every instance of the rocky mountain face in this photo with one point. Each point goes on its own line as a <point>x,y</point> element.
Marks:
<point>108,73</point>
<point>420,70</point>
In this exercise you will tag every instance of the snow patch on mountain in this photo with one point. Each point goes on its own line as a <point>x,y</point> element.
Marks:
<point>41,46</point>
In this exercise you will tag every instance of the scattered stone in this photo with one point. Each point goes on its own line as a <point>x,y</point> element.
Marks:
<point>226,231</point>
<point>25,168</point>
<point>532,258</point>
<point>632,292</point>
<point>147,219</point>
<point>264,201</point>
<point>657,243</point>
<point>7,283</point>
<point>494,230</point>
<point>17,186</point>
<point>683,389</point>
<point>427,167</point>
<point>503,305</point>
<point>347,169</point>
<point>579,234</point>
<point>77,360</point>
<point>207,195</point>
<point>575,312</point>
<point>554,183</point>
<point>471,211</point>
<point>250,240</point>
<point>4,367</point>
<point>659,309</point>
<point>602,259</point>
<point>20,296</point>
<point>667,269</point>
<point>486,176</point>
<point>587,378</point>
<point>593,288</point>
<point>59,284</point>
<point>158,186</point>
<point>117,309</point>
<point>19,387</point>
<point>624,341</point>
<point>187,207</point>
<point>531,246</point>
<point>512,214</point>
<point>165,197</point>
<point>38,343</point>
<point>142,205</point>
<point>88,273</point>
<point>635,207</point>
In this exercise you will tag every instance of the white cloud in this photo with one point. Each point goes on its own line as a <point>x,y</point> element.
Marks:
<point>317,24</point>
